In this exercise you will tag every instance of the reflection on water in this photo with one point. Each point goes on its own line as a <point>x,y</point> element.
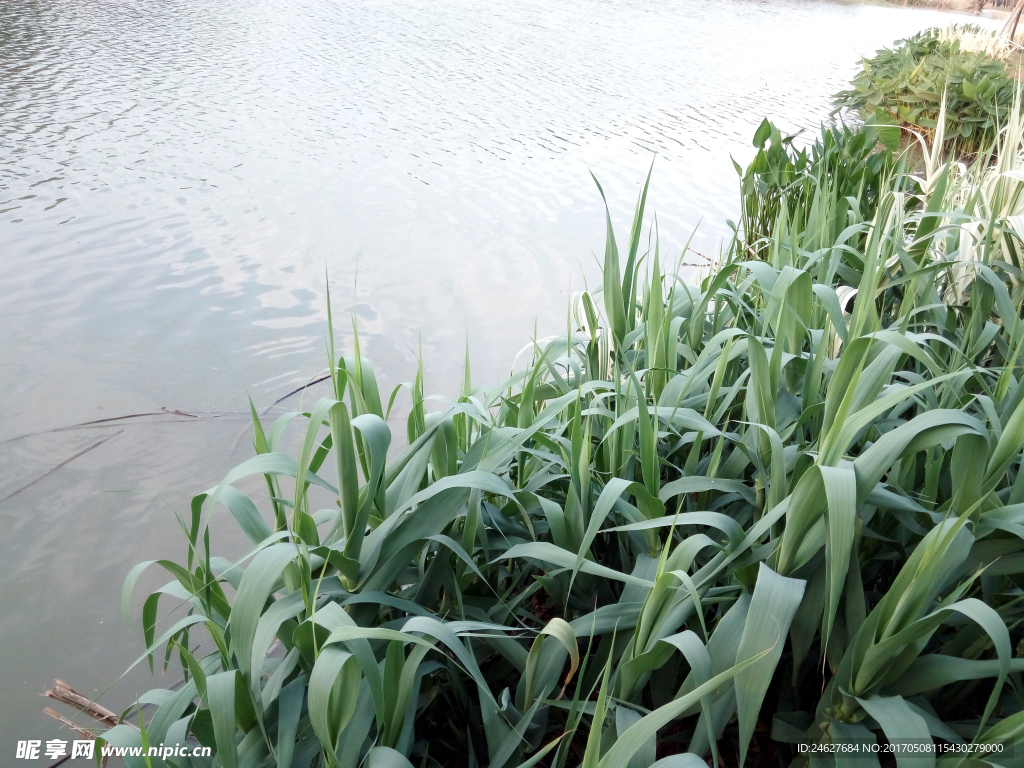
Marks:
<point>175,178</point>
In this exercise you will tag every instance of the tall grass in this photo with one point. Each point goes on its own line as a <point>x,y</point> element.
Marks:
<point>709,521</point>
<point>974,39</point>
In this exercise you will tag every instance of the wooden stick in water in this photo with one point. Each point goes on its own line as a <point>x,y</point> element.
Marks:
<point>65,694</point>
<point>58,716</point>
<point>50,711</point>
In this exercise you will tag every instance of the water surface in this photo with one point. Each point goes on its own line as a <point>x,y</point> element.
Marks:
<point>176,178</point>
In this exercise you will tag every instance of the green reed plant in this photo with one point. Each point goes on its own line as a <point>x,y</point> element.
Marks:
<point>711,520</point>
<point>815,191</point>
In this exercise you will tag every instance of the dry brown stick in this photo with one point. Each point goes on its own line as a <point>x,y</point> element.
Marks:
<point>51,712</point>
<point>58,716</point>
<point>65,694</point>
<point>50,471</point>
<point>1010,26</point>
<point>279,400</point>
<point>282,398</point>
<point>112,421</point>
<point>161,412</point>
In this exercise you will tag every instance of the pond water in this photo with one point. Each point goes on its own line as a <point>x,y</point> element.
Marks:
<point>176,178</point>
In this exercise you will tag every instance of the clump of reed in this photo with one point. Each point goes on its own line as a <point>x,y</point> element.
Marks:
<point>710,520</point>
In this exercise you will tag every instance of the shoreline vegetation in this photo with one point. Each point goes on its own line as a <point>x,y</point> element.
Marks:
<point>968,74</point>
<point>996,8</point>
<point>963,6</point>
<point>769,511</point>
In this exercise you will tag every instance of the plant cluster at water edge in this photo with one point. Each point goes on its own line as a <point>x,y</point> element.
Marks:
<point>717,517</point>
<point>959,68</point>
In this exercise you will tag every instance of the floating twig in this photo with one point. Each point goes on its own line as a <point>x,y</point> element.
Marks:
<point>279,400</point>
<point>112,421</point>
<point>51,712</point>
<point>295,392</point>
<point>58,716</point>
<point>50,471</point>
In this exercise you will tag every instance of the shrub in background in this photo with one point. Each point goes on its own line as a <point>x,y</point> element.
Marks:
<point>907,84</point>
